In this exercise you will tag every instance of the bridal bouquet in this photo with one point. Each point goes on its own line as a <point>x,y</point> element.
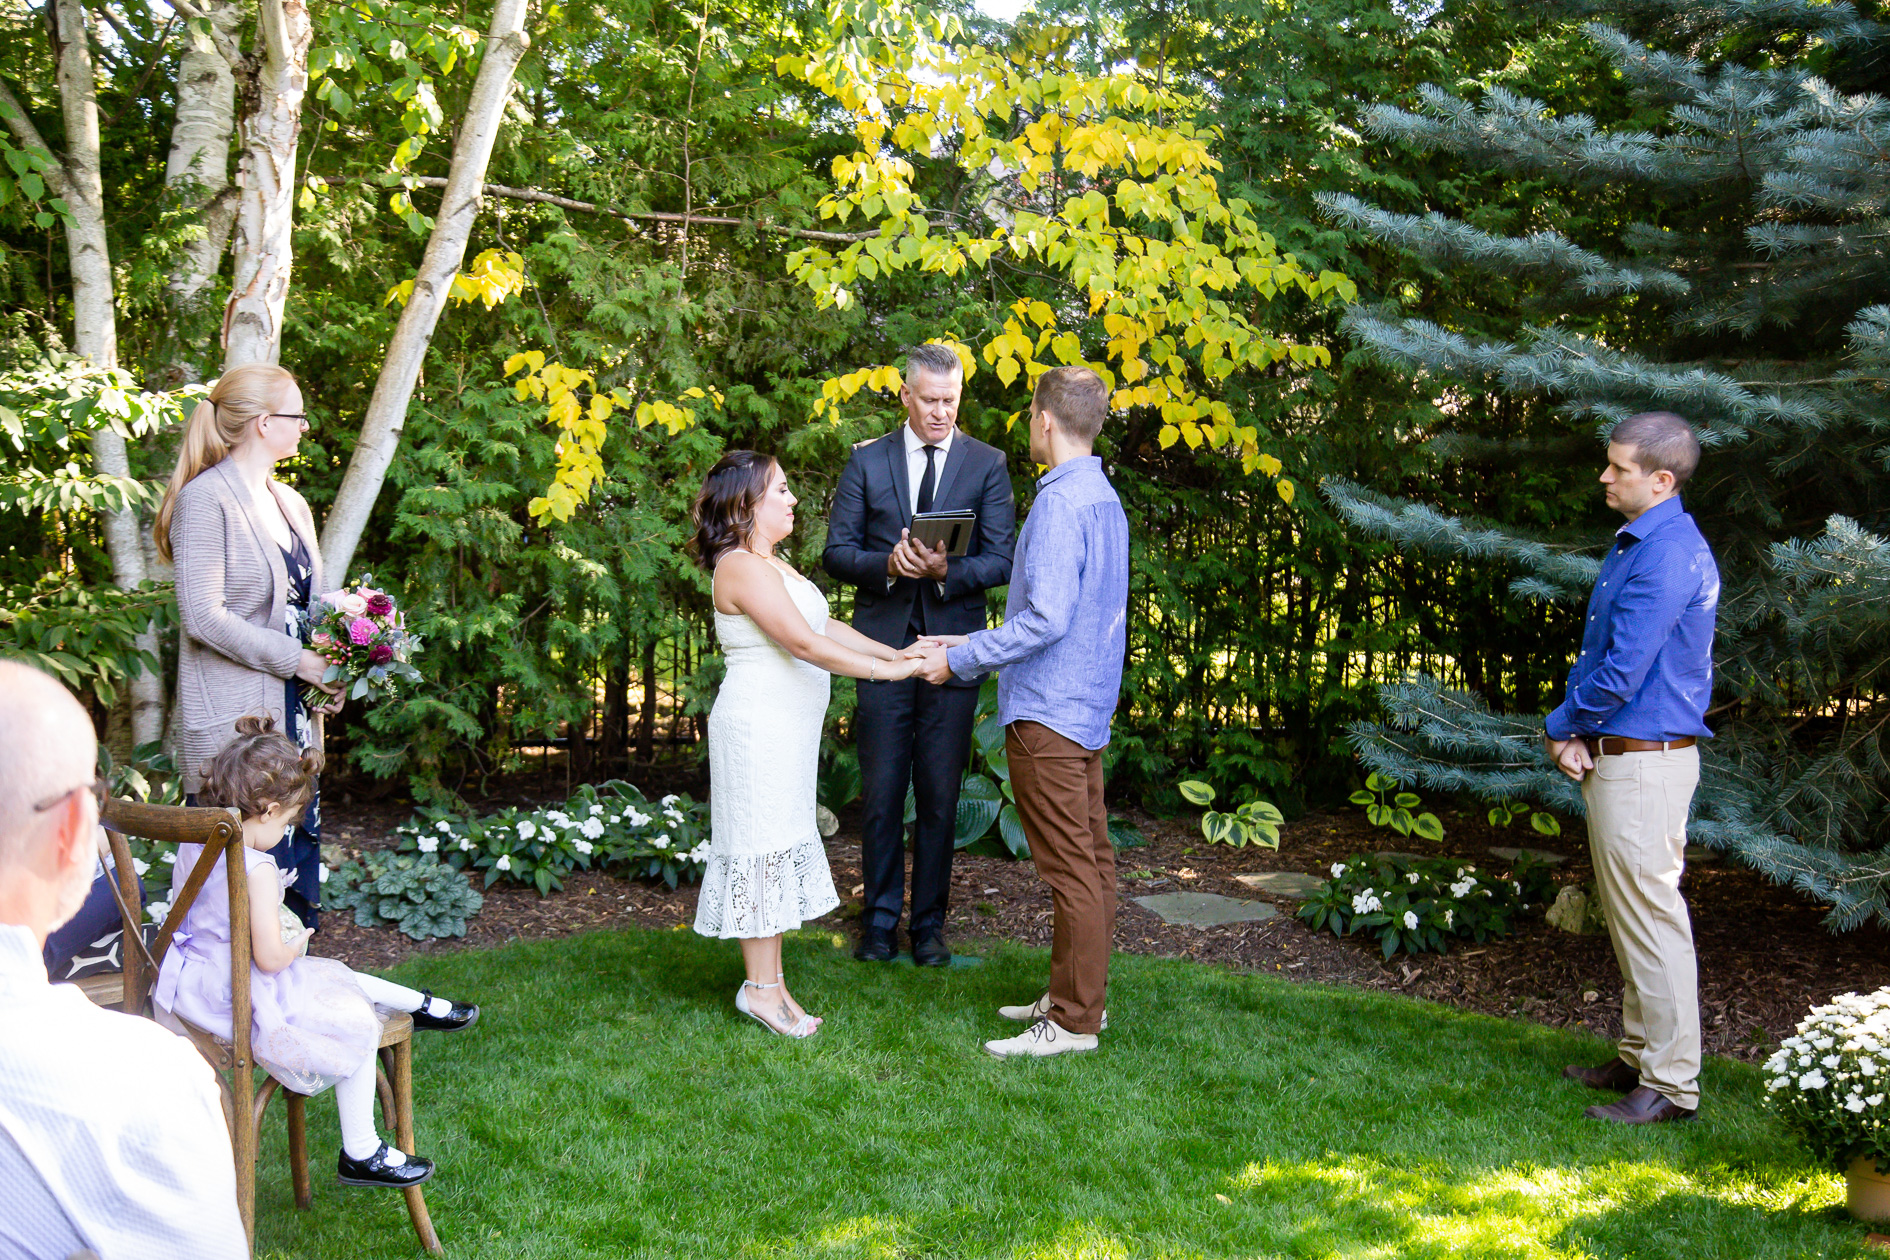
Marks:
<point>365,640</point>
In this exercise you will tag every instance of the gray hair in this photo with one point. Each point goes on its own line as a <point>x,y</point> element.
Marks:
<point>934,358</point>
<point>1662,442</point>
<point>46,747</point>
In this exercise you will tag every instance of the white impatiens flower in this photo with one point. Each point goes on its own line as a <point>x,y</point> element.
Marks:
<point>1410,921</point>
<point>669,800</point>
<point>1450,916</point>
<point>636,818</point>
<point>1338,870</point>
<point>465,844</point>
<point>1461,888</point>
<point>429,844</point>
<point>504,863</point>
<point>592,828</point>
<point>583,846</point>
<point>700,853</point>
<point>157,910</point>
<point>596,810</point>
<point>443,826</point>
<point>662,841</point>
<point>1366,903</point>
<point>323,877</point>
<point>1813,1079</point>
<point>675,819</point>
<point>140,865</point>
<point>527,829</point>
<point>167,857</point>
<point>1411,877</point>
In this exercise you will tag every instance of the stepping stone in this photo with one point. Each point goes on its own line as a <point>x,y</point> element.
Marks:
<point>958,963</point>
<point>1283,883</point>
<point>1194,909</point>
<point>1541,855</point>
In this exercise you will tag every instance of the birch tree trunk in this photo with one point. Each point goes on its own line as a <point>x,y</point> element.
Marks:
<point>506,43</point>
<point>265,176</point>
<point>94,311</point>
<point>197,174</point>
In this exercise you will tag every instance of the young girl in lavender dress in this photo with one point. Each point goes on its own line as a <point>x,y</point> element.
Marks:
<point>313,1021</point>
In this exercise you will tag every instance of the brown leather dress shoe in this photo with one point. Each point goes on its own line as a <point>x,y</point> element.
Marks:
<point>1642,1106</point>
<point>1614,1075</point>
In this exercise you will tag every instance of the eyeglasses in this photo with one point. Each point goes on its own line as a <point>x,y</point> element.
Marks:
<point>300,418</point>
<point>97,787</point>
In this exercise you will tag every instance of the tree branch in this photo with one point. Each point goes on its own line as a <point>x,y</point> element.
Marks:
<point>656,216</point>
<point>191,13</point>
<point>28,135</point>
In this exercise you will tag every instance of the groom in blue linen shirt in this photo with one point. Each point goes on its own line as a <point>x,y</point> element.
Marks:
<point>1628,733</point>
<point>1059,655</point>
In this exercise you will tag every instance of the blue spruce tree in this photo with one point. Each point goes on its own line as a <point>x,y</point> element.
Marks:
<point>1748,288</point>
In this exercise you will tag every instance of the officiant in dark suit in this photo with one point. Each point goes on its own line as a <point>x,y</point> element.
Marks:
<point>910,731</point>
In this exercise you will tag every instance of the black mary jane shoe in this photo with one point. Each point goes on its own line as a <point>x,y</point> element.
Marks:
<point>376,1171</point>
<point>461,1016</point>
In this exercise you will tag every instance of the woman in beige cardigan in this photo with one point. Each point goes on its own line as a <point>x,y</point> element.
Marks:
<point>248,568</point>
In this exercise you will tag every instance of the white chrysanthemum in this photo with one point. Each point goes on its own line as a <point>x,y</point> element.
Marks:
<point>1875,1100</point>
<point>1777,1083</point>
<point>1813,1079</point>
<point>1830,1060</point>
<point>1854,1103</point>
<point>1867,1066</point>
<point>1410,921</point>
<point>504,863</point>
<point>429,844</point>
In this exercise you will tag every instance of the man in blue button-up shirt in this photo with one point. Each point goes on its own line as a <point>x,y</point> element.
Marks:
<point>1059,653</point>
<point>1628,732</point>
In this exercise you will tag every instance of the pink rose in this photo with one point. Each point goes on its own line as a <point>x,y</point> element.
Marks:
<point>323,638</point>
<point>361,631</point>
<point>351,604</point>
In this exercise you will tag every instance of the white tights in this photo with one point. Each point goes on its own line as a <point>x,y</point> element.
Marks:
<point>354,1095</point>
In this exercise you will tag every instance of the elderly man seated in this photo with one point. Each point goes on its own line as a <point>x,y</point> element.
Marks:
<point>111,1133</point>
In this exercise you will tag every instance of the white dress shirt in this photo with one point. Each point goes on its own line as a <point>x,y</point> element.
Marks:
<point>113,1130</point>
<point>915,475</point>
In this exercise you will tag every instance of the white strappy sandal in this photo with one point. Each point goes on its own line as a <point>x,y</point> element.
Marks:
<point>805,1026</point>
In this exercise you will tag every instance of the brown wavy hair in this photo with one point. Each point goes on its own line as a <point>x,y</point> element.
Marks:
<point>259,768</point>
<point>724,511</point>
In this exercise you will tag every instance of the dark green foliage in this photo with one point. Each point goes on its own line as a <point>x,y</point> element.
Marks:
<point>417,893</point>
<point>1419,905</point>
<point>1733,285</point>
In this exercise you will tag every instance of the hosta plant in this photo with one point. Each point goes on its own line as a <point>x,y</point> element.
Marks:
<point>1386,805</point>
<point>1419,905</point>
<point>415,892</point>
<point>1256,822</point>
<point>1830,1081</point>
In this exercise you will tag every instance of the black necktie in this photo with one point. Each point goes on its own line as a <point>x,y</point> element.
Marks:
<point>929,482</point>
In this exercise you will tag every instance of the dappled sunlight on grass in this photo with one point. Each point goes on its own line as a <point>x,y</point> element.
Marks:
<point>610,1103</point>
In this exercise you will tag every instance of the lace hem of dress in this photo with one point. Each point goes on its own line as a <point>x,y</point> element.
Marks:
<point>752,895</point>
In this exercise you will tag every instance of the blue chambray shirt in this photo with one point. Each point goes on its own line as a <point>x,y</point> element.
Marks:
<point>1646,664</point>
<point>1065,630</point>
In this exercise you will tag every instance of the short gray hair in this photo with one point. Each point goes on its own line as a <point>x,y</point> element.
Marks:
<point>940,360</point>
<point>46,747</point>
<point>1662,442</point>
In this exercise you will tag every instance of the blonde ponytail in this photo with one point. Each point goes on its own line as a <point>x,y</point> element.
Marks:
<point>216,428</point>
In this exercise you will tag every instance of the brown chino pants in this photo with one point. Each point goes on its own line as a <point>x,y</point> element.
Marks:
<point>1059,788</point>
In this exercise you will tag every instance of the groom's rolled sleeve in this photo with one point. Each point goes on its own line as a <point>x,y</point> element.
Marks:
<point>1051,573</point>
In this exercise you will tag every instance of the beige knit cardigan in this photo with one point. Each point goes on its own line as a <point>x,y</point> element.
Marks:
<point>232,594</point>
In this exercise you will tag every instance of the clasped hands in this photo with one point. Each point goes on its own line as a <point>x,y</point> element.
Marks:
<point>930,653</point>
<point>1570,756</point>
<point>910,559</point>
<point>312,668</point>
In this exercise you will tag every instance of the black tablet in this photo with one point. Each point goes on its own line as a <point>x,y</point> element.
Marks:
<point>953,529</point>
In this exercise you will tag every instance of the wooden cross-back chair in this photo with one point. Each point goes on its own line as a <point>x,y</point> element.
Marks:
<point>244,1102</point>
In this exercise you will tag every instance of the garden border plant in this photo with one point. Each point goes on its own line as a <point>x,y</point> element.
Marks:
<point>1418,905</point>
<point>1830,1082</point>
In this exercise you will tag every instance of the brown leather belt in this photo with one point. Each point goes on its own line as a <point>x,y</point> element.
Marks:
<point>1612,745</point>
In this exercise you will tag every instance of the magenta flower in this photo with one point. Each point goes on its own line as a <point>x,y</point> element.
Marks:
<point>380,654</point>
<point>379,605</point>
<point>360,631</point>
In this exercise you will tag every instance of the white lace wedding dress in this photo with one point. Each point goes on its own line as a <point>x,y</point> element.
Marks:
<point>767,871</point>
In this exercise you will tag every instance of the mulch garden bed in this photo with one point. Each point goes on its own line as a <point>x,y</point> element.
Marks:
<point>1765,956</point>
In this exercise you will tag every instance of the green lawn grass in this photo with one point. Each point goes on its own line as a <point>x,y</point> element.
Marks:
<point>611,1103</point>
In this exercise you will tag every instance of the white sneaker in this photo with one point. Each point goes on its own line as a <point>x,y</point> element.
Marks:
<point>1041,1040</point>
<point>1040,1009</point>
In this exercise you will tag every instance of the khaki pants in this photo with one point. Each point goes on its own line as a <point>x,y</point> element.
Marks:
<point>1059,789</point>
<point>1637,829</point>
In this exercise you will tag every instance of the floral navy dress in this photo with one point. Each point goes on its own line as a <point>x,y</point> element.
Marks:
<point>300,854</point>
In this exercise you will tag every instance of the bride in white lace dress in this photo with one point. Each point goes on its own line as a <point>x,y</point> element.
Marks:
<point>767,871</point>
